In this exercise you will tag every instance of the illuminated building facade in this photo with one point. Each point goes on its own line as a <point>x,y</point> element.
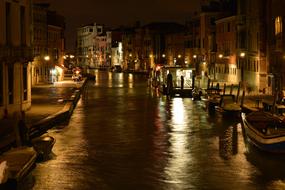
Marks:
<point>85,47</point>
<point>15,56</point>
<point>48,44</point>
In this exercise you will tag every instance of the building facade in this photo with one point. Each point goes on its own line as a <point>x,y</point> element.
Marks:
<point>225,68</point>
<point>86,48</point>
<point>48,45</point>
<point>15,56</point>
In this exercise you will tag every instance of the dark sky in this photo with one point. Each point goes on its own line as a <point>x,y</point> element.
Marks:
<point>119,12</point>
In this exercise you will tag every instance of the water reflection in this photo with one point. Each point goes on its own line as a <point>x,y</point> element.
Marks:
<point>123,135</point>
<point>228,142</point>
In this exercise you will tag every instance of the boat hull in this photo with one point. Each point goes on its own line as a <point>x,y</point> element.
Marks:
<point>266,142</point>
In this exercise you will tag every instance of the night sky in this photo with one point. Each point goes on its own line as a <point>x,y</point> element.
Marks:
<point>114,13</point>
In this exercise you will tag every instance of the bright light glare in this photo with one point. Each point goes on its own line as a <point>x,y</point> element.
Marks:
<point>178,111</point>
<point>47,58</point>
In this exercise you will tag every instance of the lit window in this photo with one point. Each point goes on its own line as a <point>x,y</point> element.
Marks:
<point>278,25</point>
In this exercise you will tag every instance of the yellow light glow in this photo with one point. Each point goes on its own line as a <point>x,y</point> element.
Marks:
<point>130,55</point>
<point>242,54</point>
<point>163,55</point>
<point>220,55</point>
<point>179,56</point>
<point>150,56</point>
<point>47,58</point>
<point>194,56</point>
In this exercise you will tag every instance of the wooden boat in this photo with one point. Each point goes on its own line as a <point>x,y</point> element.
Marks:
<point>43,145</point>
<point>228,106</point>
<point>211,99</point>
<point>265,130</point>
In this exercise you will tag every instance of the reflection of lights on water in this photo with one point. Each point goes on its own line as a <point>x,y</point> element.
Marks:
<point>178,111</point>
<point>131,80</point>
<point>110,78</point>
<point>179,143</point>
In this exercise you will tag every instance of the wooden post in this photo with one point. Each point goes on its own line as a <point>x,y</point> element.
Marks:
<point>231,91</point>
<point>208,85</point>
<point>242,98</point>
<point>238,92</point>
<point>274,101</point>
<point>224,91</point>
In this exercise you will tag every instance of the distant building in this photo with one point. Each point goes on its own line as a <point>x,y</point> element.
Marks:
<point>116,56</point>
<point>48,44</point>
<point>275,34</point>
<point>85,48</point>
<point>225,67</point>
<point>252,67</point>
<point>15,56</point>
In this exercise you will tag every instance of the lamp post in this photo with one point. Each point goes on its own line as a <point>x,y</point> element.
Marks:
<point>47,58</point>
<point>195,64</point>
<point>242,56</point>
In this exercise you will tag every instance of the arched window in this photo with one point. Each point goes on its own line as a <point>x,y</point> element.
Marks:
<point>278,25</point>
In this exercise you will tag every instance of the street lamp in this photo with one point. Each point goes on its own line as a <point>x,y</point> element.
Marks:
<point>46,58</point>
<point>242,55</point>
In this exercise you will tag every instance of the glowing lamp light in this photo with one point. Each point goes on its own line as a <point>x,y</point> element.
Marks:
<point>150,56</point>
<point>47,58</point>
<point>71,56</point>
<point>194,56</point>
<point>163,55</point>
<point>130,55</point>
<point>179,56</point>
<point>242,54</point>
<point>157,68</point>
<point>221,56</point>
<point>54,71</point>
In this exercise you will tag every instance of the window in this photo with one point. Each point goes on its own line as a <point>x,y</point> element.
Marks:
<point>23,25</point>
<point>229,27</point>
<point>278,25</point>
<point>8,24</point>
<point>1,84</point>
<point>25,82</point>
<point>11,83</point>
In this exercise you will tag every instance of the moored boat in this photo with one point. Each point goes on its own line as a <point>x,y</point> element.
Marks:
<point>211,99</point>
<point>228,106</point>
<point>265,130</point>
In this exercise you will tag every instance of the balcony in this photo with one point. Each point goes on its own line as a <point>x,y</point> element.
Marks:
<point>16,53</point>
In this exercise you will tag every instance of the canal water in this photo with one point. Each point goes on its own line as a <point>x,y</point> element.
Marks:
<point>124,135</point>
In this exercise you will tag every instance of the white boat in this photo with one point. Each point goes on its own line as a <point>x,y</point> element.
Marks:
<point>265,130</point>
